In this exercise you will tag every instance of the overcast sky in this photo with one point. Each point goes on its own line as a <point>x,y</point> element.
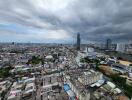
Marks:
<point>60,20</point>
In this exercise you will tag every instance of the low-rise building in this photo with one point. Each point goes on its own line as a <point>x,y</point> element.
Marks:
<point>119,68</point>
<point>90,77</point>
<point>78,88</point>
<point>81,92</point>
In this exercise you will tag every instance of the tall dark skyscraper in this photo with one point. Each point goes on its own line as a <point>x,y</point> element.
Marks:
<point>78,41</point>
<point>108,44</point>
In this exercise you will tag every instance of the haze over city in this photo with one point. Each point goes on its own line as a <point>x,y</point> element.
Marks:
<point>59,21</point>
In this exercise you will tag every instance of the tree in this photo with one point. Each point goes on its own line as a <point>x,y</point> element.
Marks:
<point>35,60</point>
<point>4,72</point>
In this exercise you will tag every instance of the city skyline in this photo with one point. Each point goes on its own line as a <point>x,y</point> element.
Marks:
<point>43,21</point>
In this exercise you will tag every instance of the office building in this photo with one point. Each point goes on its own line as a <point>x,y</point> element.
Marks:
<point>78,41</point>
<point>108,44</point>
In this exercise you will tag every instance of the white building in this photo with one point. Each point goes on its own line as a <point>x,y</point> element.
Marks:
<point>89,49</point>
<point>120,47</point>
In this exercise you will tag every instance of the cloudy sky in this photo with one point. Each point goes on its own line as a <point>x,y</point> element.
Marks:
<point>60,20</point>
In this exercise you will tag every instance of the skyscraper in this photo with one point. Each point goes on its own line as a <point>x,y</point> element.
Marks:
<point>108,44</point>
<point>78,41</point>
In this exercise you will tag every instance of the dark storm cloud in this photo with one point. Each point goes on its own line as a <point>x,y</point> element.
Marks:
<point>96,20</point>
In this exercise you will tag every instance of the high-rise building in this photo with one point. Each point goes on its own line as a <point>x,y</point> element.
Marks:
<point>120,47</point>
<point>108,44</point>
<point>78,41</point>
